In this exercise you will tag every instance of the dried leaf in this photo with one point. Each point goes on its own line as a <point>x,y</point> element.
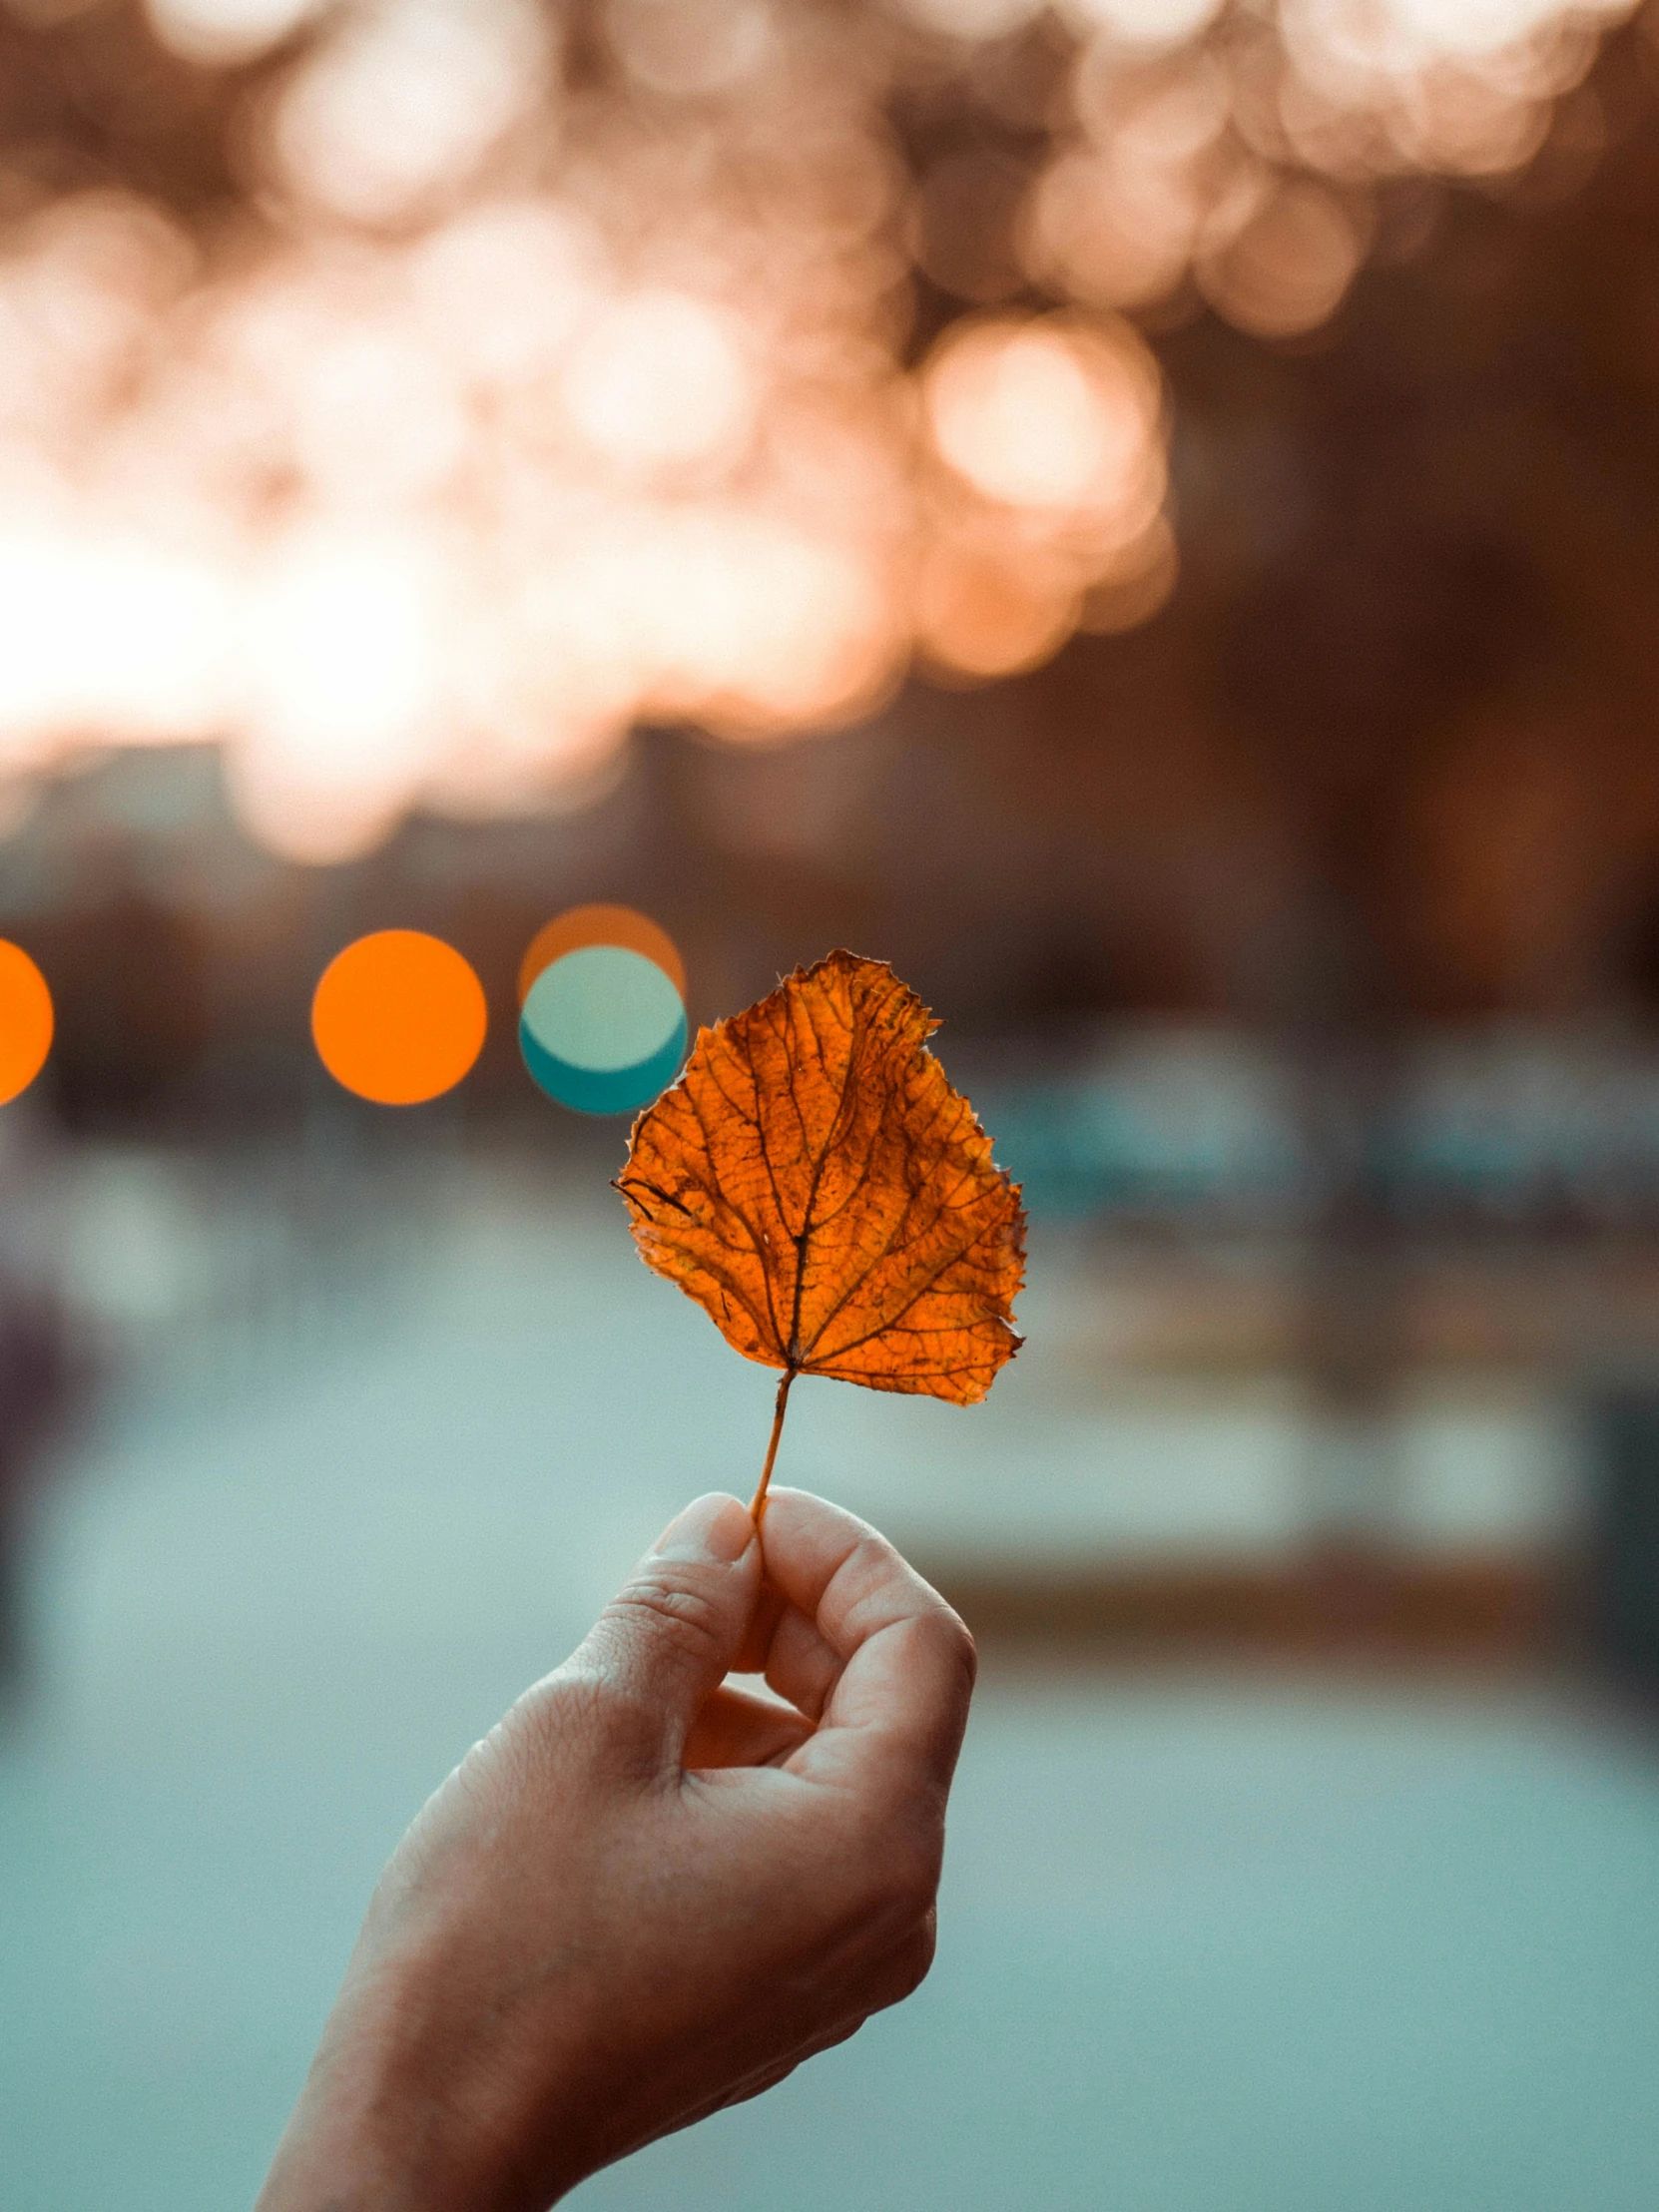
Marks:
<point>816,1184</point>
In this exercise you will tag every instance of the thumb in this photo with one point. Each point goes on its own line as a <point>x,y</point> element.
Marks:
<point>677,1624</point>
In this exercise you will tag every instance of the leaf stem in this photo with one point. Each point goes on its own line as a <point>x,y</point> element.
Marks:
<point>758,1505</point>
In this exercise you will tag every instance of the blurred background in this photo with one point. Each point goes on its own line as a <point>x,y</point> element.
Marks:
<point>1142,513</point>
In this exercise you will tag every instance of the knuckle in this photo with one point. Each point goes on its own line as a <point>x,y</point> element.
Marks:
<point>957,1643</point>
<point>906,1857</point>
<point>587,1721</point>
<point>915,1959</point>
<point>556,1718</point>
<point>946,1630</point>
<point>902,1969</point>
<point>535,1746</point>
<point>676,1612</point>
<point>913,1880</point>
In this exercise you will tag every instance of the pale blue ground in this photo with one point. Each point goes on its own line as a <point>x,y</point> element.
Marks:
<point>1204,1947</point>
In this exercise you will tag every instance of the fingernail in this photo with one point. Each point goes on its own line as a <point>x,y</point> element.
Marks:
<point>713,1529</point>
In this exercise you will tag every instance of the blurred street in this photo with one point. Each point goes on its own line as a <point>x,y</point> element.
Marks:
<point>1208,1943</point>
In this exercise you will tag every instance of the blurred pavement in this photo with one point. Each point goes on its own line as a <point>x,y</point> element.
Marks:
<point>1206,1947</point>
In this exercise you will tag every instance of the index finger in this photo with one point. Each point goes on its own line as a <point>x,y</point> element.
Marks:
<point>906,1661</point>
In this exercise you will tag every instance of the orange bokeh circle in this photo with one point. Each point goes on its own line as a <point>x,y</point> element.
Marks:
<point>580,926</point>
<point>26,1021</point>
<point>399,1017</point>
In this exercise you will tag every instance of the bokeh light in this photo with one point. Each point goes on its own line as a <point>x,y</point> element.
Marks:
<point>657,383</point>
<point>1040,416</point>
<point>603,1029</point>
<point>529,385</point>
<point>26,1021</point>
<point>600,923</point>
<point>218,32</point>
<point>1286,268</point>
<point>399,1017</point>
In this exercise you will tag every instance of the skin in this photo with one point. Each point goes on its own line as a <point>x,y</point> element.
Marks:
<point>648,1894</point>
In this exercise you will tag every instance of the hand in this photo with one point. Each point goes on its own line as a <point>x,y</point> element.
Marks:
<point>646,1895</point>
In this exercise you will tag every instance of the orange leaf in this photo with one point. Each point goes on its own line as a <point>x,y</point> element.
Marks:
<point>816,1184</point>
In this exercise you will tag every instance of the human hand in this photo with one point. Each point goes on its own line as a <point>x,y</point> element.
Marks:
<point>646,1893</point>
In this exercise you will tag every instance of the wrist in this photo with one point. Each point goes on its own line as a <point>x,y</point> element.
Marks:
<point>401,2112</point>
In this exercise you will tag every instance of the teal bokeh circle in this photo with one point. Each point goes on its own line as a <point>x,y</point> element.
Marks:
<point>603,1029</point>
<point>603,1090</point>
<point>603,1007</point>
